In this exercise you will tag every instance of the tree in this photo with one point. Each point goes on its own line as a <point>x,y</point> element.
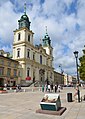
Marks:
<point>82,66</point>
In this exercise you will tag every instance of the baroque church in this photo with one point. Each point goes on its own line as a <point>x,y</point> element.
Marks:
<point>36,61</point>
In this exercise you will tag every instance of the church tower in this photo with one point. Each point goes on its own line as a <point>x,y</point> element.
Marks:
<point>23,43</point>
<point>46,42</point>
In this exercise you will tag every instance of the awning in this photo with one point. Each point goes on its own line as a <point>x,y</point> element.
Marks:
<point>28,78</point>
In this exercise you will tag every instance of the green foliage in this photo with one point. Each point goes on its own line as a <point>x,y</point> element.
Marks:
<point>82,66</point>
<point>1,88</point>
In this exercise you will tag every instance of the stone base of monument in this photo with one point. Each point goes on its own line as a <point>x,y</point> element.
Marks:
<point>51,104</point>
<point>59,112</point>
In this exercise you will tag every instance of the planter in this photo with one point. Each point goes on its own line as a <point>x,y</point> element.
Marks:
<point>3,91</point>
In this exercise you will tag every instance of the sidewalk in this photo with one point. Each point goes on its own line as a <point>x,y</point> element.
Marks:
<point>23,105</point>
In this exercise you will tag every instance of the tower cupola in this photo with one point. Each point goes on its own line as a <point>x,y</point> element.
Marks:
<point>24,20</point>
<point>46,40</point>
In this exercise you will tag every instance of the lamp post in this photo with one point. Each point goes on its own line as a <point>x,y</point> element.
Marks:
<point>76,56</point>
<point>61,72</point>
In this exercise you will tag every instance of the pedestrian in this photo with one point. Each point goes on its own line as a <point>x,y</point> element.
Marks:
<point>42,88</point>
<point>76,92</point>
<point>45,88</point>
<point>55,87</point>
<point>49,87</point>
<point>59,88</point>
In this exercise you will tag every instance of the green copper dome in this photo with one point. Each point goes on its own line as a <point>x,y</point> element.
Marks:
<point>46,36</point>
<point>24,17</point>
<point>24,20</point>
<point>46,40</point>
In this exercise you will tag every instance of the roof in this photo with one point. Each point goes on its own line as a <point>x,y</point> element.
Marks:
<point>1,56</point>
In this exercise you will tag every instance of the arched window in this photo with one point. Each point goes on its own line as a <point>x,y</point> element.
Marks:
<point>29,38</point>
<point>28,53</point>
<point>19,36</point>
<point>33,56</point>
<point>40,59</point>
<point>28,71</point>
<point>18,52</point>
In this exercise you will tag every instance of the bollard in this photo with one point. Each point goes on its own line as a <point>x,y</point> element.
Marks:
<point>32,89</point>
<point>24,90</point>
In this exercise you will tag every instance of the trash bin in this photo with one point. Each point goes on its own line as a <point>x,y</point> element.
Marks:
<point>69,97</point>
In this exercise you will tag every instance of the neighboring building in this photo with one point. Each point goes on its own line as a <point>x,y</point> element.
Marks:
<point>68,79</point>
<point>8,71</point>
<point>3,53</point>
<point>36,61</point>
<point>58,78</point>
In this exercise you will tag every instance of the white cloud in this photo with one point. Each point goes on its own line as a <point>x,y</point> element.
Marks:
<point>7,22</point>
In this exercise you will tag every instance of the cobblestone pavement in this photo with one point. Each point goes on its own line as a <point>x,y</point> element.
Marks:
<point>23,105</point>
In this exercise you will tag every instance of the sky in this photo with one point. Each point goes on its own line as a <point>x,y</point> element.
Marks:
<point>65,21</point>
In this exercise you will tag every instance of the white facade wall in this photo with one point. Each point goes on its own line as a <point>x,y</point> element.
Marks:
<point>34,65</point>
<point>31,37</point>
<point>47,50</point>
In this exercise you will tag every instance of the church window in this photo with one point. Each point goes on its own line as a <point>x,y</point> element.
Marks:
<point>18,52</point>
<point>19,36</point>
<point>40,59</point>
<point>28,53</point>
<point>29,38</point>
<point>33,56</point>
<point>28,69</point>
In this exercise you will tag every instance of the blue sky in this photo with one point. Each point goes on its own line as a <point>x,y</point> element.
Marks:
<point>65,20</point>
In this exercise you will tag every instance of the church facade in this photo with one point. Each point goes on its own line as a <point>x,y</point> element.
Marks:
<point>36,61</point>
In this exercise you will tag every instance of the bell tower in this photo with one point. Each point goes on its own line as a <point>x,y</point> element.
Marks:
<point>23,42</point>
<point>46,42</point>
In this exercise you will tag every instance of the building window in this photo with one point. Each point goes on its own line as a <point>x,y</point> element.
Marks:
<point>9,64</point>
<point>33,56</point>
<point>19,36</point>
<point>27,72</point>
<point>40,59</point>
<point>15,65</point>
<point>15,72</point>
<point>1,70</point>
<point>1,62</point>
<point>28,53</point>
<point>18,52</point>
<point>19,74</point>
<point>8,72</point>
<point>29,38</point>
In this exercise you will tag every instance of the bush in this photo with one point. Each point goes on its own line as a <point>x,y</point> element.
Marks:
<point>1,88</point>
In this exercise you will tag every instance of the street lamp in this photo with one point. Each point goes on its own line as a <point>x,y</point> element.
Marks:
<point>76,56</point>
<point>61,72</point>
